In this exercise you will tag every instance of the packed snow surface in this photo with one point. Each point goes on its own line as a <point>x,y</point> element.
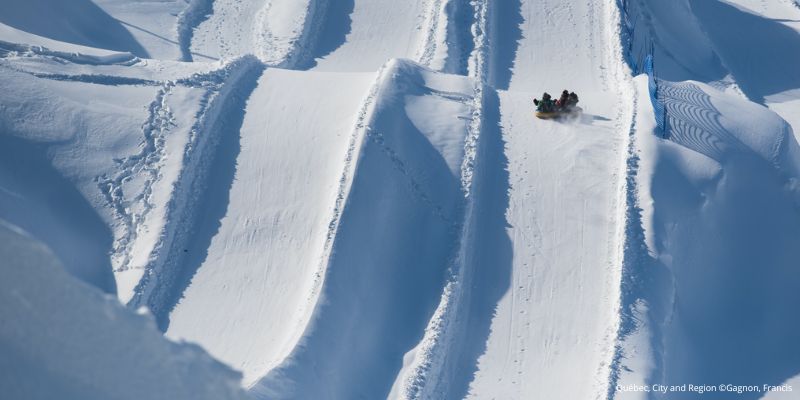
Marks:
<point>346,199</point>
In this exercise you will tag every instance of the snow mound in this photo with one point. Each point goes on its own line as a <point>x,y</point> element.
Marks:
<point>101,350</point>
<point>720,203</point>
<point>80,22</point>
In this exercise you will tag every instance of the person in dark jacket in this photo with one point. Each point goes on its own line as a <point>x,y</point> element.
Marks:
<point>563,100</point>
<point>545,104</point>
<point>572,100</point>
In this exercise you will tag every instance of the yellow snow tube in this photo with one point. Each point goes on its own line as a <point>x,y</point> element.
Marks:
<point>547,115</point>
<point>558,114</point>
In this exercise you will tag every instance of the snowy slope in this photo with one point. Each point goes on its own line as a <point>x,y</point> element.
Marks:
<point>80,22</point>
<point>362,35</point>
<point>255,281</point>
<point>89,357</point>
<point>719,204</point>
<point>49,141</point>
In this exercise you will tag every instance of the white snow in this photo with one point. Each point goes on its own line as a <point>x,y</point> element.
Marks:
<point>353,198</point>
<point>251,296</point>
<point>64,339</point>
<point>721,203</point>
<point>374,305</point>
<point>555,316</point>
<point>715,276</point>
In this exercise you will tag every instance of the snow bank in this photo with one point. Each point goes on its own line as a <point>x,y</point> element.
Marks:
<point>726,216</point>
<point>396,236</point>
<point>114,170</point>
<point>720,204</point>
<point>739,36</point>
<point>16,42</point>
<point>79,21</point>
<point>151,23</point>
<point>63,339</point>
<point>722,43</point>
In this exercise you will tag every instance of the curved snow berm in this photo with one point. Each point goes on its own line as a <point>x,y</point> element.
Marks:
<point>20,42</point>
<point>61,338</point>
<point>79,22</point>
<point>213,136</point>
<point>720,207</point>
<point>382,284</point>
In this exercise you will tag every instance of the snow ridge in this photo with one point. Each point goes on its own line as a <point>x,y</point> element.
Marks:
<point>634,249</point>
<point>349,166</point>
<point>228,89</point>
<point>415,186</point>
<point>425,379</point>
<point>633,252</point>
<point>8,49</point>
